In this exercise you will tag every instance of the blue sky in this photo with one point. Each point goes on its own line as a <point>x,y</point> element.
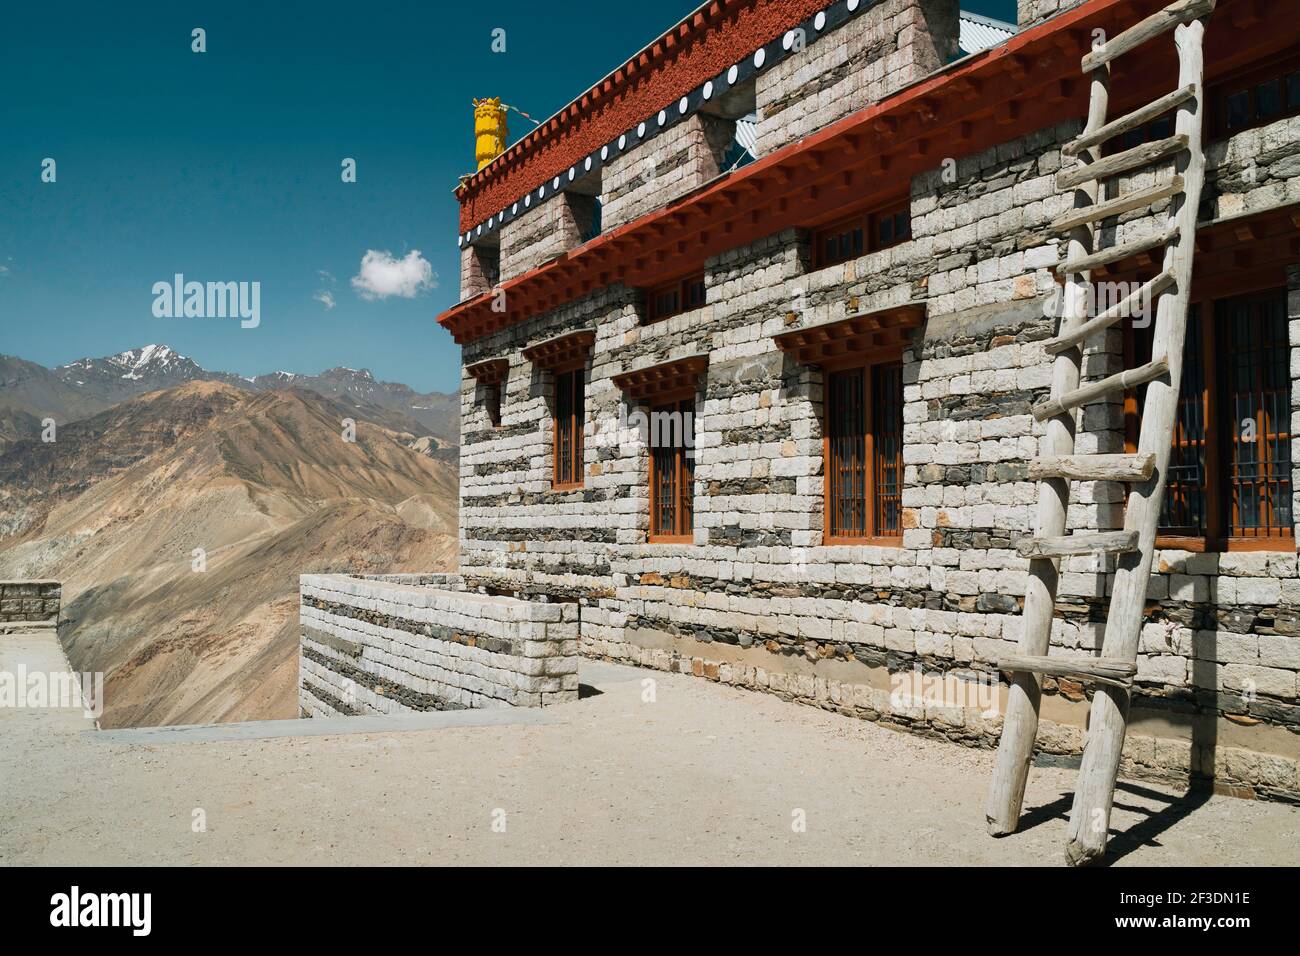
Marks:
<point>225,165</point>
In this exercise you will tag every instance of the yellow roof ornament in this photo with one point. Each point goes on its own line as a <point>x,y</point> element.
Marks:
<point>490,135</point>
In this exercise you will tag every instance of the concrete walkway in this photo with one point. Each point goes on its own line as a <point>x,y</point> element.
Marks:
<point>700,774</point>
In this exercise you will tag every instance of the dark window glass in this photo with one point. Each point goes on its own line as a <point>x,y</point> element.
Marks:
<point>1239,109</point>
<point>903,225</point>
<point>848,451</point>
<point>1268,99</point>
<point>694,290</point>
<point>674,298</point>
<point>887,438</point>
<point>672,470</point>
<point>864,465</point>
<point>570,413</point>
<point>1236,397</point>
<point>1257,395</point>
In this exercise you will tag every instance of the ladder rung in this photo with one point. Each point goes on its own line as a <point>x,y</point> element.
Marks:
<point>1159,22</point>
<point>1143,155</point>
<point>1120,204</point>
<point>1093,467</point>
<point>1139,117</point>
<point>1105,542</point>
<point>1120,310</point>
<point>1103,670</point>
<point>1094,390</point>
<point>1105,257</point>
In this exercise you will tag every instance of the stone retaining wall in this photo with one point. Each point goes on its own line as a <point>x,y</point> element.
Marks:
<point>30,602</point>
<point>401,644</point>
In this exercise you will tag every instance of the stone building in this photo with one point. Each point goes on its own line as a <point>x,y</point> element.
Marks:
<point>763,415</point>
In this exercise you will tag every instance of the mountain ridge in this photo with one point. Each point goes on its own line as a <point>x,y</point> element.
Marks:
<point>31,393</point>
<point>179,521</point>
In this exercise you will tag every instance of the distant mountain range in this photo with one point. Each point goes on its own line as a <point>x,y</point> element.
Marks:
<point>179,520</point>
<point>30,393</point>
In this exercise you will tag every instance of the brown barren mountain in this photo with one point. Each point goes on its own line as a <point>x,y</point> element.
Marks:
<point>179,522</point>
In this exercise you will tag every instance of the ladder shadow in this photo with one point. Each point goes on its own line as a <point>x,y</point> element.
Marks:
<point>1145,832</point>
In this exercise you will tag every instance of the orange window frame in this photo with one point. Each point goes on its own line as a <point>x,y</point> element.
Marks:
<point>863,449</point>
<point>1207,404</point>
<point>672,478</point>
<point>568,418</point>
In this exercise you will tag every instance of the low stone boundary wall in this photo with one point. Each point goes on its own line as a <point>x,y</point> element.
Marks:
<point>380,645</point>
<point>29,602</point>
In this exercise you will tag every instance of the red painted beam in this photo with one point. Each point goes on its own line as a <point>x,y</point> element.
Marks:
<point>1030,83</point>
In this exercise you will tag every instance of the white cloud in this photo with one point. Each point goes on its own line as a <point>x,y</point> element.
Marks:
<point>383,276</point>
<point>325,298</point>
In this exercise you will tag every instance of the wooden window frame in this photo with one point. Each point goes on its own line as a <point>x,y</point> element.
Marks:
<point>682,288</point>
<point>577,416</point>
<point>682,532</point>
<point>868,220</point>
<point>1248,80</point>
<point>867,362</point>
<point>1218,537</point>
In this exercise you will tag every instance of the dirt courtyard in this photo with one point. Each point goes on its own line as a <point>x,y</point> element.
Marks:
<point>703,774</point>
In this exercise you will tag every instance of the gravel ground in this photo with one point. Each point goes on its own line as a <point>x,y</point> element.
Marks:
<point>705,774</point>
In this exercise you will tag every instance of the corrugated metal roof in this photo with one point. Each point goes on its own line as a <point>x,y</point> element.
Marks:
<point>979,33</point>
<point>747,133</point>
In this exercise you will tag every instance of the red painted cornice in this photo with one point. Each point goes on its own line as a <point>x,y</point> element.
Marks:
<point>698,48</point>
<point>1030,82</point>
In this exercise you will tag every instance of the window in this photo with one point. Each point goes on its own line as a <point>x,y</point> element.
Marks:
<point>672,472</point>
<point>861,233</point>
<point>1256,97</point>
<point>570,412</point>
<point>1152,132</point>
<point>673,298</point>
<point>864,454</point>
<point>1229,480</point>
<point>492,400</point>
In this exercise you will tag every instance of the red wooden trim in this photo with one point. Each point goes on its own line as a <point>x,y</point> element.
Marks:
<point>679,378</point>
<point>698,48</point>
<point>562,353</point>
<point>805,181</point>
<point>490,372</point>
<point>854,339</point>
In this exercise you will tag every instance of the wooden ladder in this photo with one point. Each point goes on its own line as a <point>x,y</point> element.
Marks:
<point>1113,671</point>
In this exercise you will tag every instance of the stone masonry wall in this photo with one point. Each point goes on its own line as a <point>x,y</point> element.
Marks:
<point>675,162</point>
<point>373,645</point>
<point>759,601</point>
<point>29,602</point>
<point>480,269</point>
<point>558,226</point>
<point>1033,12</point>
<point>894,43</point>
